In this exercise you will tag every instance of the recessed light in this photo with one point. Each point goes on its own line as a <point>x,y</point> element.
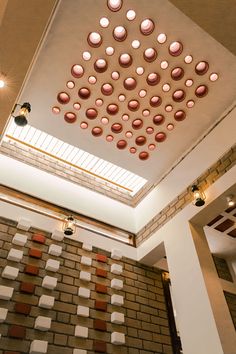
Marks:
<point>130,15</point>
<point>2,83</point>
<point>136,44</point>
<point>2,80</point>
<point>161,38</point>
<point>188,59</point>
<point>214,77</point>
<point>164,64</point>
<point>104,22</point>
<point>110,50</point>
<point>230,200</point>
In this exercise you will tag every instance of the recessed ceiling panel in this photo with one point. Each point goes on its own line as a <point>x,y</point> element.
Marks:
<point>136,83</point>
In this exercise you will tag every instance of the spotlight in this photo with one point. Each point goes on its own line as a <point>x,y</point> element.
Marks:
<point>2,80</point>
<point>2,83</point>
<point>198,196</point>
<point>21,119</point>
<point>69,226</point>
<point>230,200</point>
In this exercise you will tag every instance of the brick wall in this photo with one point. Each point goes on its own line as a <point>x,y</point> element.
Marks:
<point>231,301</point>
<point>146,326</point>
<point>214,172</point>
<point>51,165</point>
<point>218,169</point>
<point>222,269</point>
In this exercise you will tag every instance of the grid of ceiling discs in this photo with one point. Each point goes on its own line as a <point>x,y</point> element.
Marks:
<point>113,115</point>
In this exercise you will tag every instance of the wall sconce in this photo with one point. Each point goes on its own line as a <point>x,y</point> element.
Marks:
<point>198,196</point>
<point>21,119</point>
<point>230,200</point>
<point>69,226</point>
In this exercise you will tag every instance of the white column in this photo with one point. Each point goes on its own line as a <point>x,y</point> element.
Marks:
<point>203,316</point>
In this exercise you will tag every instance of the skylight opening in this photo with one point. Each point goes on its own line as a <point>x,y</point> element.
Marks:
<point>75,157</point>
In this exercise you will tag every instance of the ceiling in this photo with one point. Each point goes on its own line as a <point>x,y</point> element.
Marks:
<point>64,45</point>
<point>209,14</point>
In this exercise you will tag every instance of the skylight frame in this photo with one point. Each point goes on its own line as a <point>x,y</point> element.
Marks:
<point>121,178</point>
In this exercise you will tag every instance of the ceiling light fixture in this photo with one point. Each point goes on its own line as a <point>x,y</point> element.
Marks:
<point>2,80</point>
<point>69,226</point>
<point>198,196</point>
<point>21,119</point>
<point>230,200</point>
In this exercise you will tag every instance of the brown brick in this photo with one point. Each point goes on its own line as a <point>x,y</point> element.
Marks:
<point>99,346</point>
<point>100,305</point>
<point>39,238</point>
<point>100,325</point>
<point>16,332</point>
<point>60,339</point>
<point>22,308</point>
<point>27,288</point>
<point>100,288</point>
<point>32,270</point>
<point>101,258</point>
<point>35,253</point>
<point>101,273</point>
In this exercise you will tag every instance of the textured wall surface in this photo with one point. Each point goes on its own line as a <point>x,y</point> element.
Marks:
<point>80,317</point>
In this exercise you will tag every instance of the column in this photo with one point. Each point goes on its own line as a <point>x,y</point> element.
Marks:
<point>204,320</point>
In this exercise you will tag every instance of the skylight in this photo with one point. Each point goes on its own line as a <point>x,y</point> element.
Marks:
<point>73,156</point>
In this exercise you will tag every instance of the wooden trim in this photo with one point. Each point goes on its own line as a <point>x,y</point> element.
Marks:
<point>68,163</point>
<point>59,212</point>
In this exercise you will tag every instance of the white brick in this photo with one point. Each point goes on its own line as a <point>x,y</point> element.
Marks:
<point>52,265</point>
<point>15,255</point>
<point>116,254</point>
<point>116,269</point>
<point>87,247</point>
<point>81,331</point>
<point>83,292</point>
<point>117,338</point>
<point>6,292</point>
<point>57,235</point>
<point>117,284</point>
<point>49,282</point>
<point>43,323</point>
<point>117,317</point>
<point>24,224</point>
<point>79,351</point>
<point>117,300</point>
<point>19,239</point>
<point>83,311</point>
<point>47,302</point>
<point>10,272</point>
<point>3,314</point>
<point>38,347</point>
<point>86,261</point>
<point>85,276</point>
<point>55,250</point>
